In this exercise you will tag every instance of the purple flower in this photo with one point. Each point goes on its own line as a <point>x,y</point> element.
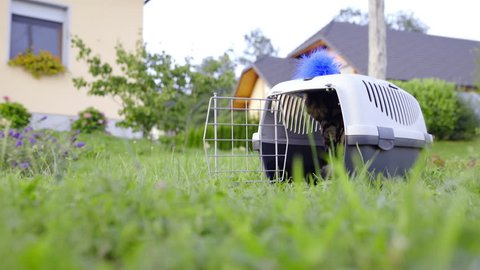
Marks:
<point>32,140</point>
<point>24,165</point>
<point>80,144</point>
<point>19,143</point>
<point>27,129</point>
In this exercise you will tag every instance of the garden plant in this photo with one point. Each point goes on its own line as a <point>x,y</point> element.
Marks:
<point>39,64</point>
<point>90,120</point>
<point>136,204</point>
<point>13,114</point>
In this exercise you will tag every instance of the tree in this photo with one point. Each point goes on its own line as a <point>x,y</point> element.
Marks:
<point>258,46</point>
<point>351,15</point>
<point>377,43</point>
<point>212,75</point>
<point>149,86</point>
<point>405,21</point>
<point>400,21</point>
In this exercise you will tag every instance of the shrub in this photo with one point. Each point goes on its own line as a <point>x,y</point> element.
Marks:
<point>467,124</point>
<point>90,120</point>
<point>150,86</point>
<point>439,104</point>
<point>13,114</point>
<point>38,152</point>
<point>194,137</point>
<point>41,64</point>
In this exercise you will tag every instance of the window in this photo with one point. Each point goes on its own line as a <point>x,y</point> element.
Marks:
<point>38,26</point>
<point>35,34</point>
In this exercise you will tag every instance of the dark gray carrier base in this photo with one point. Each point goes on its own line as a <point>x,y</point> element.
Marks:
<point>394,162</point>
<point>384,153</point>
<point>294,150</point>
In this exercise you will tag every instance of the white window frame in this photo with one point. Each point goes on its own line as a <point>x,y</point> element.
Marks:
<point>44,10</point>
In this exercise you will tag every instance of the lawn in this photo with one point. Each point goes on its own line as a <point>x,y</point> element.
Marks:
<point>139,205</point>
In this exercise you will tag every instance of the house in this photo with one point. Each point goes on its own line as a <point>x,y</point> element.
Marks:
<point>409,55</point>
<point>49,25</point>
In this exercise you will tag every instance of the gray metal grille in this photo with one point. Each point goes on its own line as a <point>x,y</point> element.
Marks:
<point>229,144</point>
<point>295,116</point>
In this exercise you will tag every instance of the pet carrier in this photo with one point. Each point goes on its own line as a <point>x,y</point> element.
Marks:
<point>375,123</point>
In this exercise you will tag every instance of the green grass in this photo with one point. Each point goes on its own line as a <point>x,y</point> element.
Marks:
<point>140,205</point>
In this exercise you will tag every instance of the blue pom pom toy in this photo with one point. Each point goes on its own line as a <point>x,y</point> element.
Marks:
<point>318,63</point>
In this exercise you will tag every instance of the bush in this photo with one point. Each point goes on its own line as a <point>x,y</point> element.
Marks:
<point>150,86</point>
<point>90,120</point>
<point>194,137</point>
<point>467,123</point>
<point>13,114</point>
<point>445,115</point>
<point>37,152</point>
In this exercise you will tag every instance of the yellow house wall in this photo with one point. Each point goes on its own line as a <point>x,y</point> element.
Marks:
<point>260,90</point>
<point>101,24</point>
<point>345,68</point>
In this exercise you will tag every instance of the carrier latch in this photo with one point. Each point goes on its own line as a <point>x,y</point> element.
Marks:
<point>386,138</point>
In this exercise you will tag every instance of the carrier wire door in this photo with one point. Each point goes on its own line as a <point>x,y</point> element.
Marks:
<point>232,148</point>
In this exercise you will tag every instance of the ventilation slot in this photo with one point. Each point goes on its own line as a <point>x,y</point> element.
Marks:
<point>387,102</point>
<point>398,105</point>
<point>373,94</point>
<point>393,102</point>
<point>381,99</point>
<point>393,110</point>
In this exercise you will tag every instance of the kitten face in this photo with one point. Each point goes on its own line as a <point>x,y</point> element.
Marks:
<point>315,106</point>
<point>324,107</point>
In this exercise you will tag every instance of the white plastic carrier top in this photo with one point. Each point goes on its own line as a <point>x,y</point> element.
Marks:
<point>367,104</point>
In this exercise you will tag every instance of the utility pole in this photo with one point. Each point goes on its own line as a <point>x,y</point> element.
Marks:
<point>377,40</point>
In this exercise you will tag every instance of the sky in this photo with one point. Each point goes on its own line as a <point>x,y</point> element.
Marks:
<point>199,29</point>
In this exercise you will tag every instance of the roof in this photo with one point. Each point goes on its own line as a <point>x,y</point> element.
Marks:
<point>275,70</point>
<point>409,54</point>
